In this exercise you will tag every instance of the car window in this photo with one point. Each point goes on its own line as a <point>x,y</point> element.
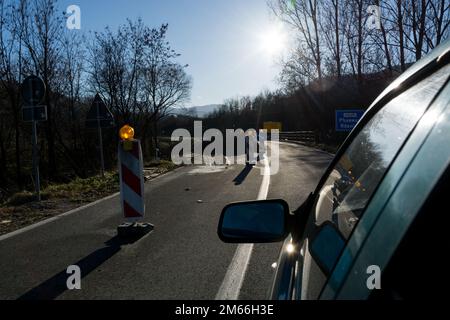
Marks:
<point>345,194</point>
<point>358,172</point>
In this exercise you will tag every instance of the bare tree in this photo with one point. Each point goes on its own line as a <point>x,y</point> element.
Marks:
<point>380,37</point>
<point>116,67</point>
<point>13,24</point>
<point>297,70</point>
<point>166,86</point>
<point>70,90</point>
<point>331,27</point>
<point>304,17</point>
<point>42,40</point>
<point>401,41</point>
<point>439,20</point>
<point>356,33</point>
<point>416,11</point>
<point>135,70</point>
<point>166,83</point>
<point>71,69</point>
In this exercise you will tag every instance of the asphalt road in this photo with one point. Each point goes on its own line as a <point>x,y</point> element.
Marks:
<point>181,259</point>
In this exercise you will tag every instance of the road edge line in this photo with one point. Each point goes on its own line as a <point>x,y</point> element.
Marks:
<point>67,213</point>
<point>57,217</point>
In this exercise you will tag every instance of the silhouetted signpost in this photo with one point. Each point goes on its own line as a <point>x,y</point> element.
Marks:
<point>33,92</point>
<point>99,117</point>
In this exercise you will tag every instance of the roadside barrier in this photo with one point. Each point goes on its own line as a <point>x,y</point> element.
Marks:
<point>131,177</point>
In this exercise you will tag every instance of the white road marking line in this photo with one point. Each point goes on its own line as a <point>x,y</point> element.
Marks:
<point>234,278</point>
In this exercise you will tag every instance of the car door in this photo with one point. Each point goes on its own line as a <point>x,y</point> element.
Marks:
<point>353,179</point>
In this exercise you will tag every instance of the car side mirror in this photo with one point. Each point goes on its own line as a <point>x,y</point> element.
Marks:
<point>326,246</point>
<point>254,222</point>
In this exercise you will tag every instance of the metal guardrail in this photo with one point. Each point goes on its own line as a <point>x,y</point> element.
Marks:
<point>301,136</point>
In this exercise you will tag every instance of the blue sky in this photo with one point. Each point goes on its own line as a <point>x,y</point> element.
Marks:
<point>222,41</point>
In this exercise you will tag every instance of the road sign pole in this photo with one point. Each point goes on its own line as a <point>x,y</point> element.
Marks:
<point>37,181</point>
<point>33,91</point>
<point>100,139</point>
<point>99,117</point>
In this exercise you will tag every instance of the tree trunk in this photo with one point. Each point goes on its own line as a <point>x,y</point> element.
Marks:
<point>155,136</point>
<point>385,44</point>
<point>440,23</point>
<point>338,48</point>
<point>360,41</point>
<point>318,54</point>
<point>421,30</point>
<point>401,34</point>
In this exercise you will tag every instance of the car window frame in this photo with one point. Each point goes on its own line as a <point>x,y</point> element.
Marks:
<point>418,72</point>
<point>442,105</point>
<point>413,79</point>
<point>410,148</point>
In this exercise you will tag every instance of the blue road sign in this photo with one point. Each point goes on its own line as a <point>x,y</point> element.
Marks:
<point>346,120</point>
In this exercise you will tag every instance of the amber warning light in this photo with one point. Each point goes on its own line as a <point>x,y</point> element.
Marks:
<point>126,132</point>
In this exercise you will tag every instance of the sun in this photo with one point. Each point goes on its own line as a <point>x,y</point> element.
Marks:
<point>273,41</point>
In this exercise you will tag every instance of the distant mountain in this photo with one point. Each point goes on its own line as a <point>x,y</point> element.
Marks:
<point>199,111</point>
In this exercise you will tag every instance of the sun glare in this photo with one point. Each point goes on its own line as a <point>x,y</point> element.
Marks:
<point>273,41</point>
